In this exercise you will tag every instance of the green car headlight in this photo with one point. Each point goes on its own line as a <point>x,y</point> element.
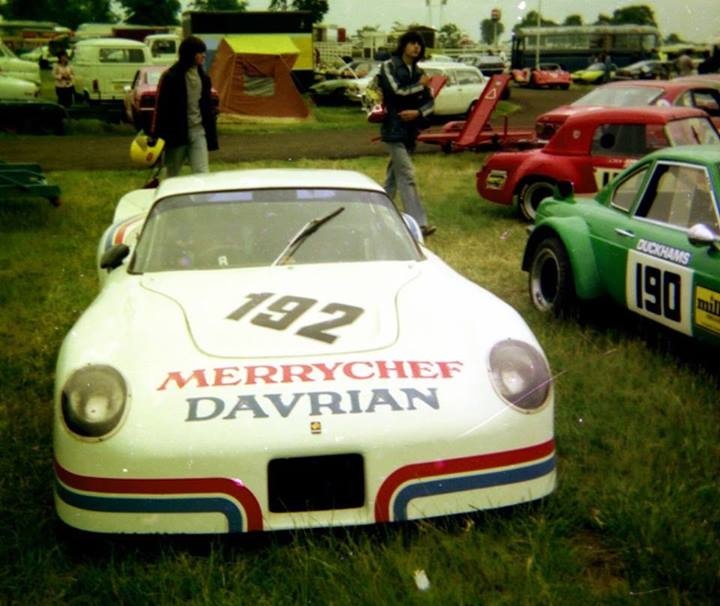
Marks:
<point>93,400</point>
<point>520,374</point>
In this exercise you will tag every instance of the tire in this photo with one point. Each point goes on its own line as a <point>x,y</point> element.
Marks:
<point>550,283</point>
<point>531,194</point>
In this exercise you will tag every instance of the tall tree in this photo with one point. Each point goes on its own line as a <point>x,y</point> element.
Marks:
<point>69,13</point>
<point>219,5</point>
<point>638,14</point>
<point>531,20</point>
<point>573,20</point>
<point>488,29</point>
<point>317,8</point>
<point>151,12</point>
<point>449,36</point>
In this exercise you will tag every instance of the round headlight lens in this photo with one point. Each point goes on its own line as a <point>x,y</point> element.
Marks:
<point>519,374</point>
<point>93,400</point>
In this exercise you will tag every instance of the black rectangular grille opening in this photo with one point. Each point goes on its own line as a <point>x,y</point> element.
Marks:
<point>316,483</point>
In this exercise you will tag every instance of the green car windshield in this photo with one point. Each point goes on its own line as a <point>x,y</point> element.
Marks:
<point>255,228</point>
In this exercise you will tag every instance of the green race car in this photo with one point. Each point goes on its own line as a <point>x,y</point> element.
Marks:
<point>650,241</point>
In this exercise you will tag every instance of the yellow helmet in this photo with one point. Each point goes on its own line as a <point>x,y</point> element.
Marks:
<point>145,151</point>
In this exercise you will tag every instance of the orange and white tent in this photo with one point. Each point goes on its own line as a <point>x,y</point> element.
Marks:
<point>253,76</point>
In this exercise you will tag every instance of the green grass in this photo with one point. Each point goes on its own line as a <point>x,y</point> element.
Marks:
<point>634,519</point>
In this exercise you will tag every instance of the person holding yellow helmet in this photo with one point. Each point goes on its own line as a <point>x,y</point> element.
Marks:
<point>184,115</point>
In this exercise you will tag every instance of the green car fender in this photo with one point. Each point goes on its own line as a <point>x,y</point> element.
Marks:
<point>574,234</point>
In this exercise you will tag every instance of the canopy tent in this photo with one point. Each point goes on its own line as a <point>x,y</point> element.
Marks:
<point>252,74</point>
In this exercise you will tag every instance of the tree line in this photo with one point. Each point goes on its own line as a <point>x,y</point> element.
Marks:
<point>71,13</point>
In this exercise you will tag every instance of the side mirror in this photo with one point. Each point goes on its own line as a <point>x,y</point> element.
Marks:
<point>414,228</point>
<point>114,256</point>
<point>701,235</point>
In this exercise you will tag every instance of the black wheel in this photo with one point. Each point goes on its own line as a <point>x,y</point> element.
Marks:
<point>551,281</point>
<point>531,194</point>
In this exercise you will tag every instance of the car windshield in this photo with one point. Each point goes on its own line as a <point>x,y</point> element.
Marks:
<point>620,96</point>
<point>692,131</point>
<point>219,230</point>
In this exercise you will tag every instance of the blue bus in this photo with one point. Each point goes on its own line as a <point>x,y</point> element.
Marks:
<point>574,46</point>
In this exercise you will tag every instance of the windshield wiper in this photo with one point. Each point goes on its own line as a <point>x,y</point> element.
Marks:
<point>305,231</point>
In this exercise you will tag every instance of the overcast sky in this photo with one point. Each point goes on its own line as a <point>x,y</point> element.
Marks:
<point>693,20</point>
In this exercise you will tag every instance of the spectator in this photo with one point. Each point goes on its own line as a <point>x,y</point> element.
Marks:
<point>64,80</point>
<point>408,102</point>
<point>184,114</point>
<point>684,65</point>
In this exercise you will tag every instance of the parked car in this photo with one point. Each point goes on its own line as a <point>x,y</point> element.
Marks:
<point>649,69</point>
<point>140,96</point>
<point>588,150</point>
<point>593,74</point>
<point>457,97</point>
<point>17,89</point>
<point>105,66</point>
<point>649,242</point>
<point>260,358</point>
<point>163,48</point>
<point>489,65</point>
<point>683,92</point>
<point>333,90</point>
<point>11,65</point>
<point>546,75</point>
<point>40,55</point>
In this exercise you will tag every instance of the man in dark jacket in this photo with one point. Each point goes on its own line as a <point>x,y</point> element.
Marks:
<point>408,102</point>
<point>184,113</point>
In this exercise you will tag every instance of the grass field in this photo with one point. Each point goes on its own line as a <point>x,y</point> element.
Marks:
<point>634,519</point>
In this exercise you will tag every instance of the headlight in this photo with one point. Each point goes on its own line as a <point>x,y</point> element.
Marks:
<point>93,400</point>
<point>519,374</point>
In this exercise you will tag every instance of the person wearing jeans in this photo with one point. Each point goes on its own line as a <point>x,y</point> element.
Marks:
<point>408,102</point>
<point>184,115</point>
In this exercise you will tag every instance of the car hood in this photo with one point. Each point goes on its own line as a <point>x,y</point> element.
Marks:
<point>288,310</point>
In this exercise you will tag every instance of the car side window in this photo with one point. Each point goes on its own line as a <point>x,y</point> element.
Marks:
<point>680,195</point>
<point>708,101</point>
<point>627,191</point>
<point>468,77</point>
<point>619,140</point>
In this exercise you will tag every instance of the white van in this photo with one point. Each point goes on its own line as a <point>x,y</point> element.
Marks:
<point>163,48</point>
<point>105,66</point>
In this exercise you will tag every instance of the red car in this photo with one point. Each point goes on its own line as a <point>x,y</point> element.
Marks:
<point>683,92</point>
<point>547,75</point>
<point>590,148</point>
<point>139,101</point>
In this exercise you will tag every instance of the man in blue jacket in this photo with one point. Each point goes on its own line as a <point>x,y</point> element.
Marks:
<point>408,102</point>
<point>184,114</point>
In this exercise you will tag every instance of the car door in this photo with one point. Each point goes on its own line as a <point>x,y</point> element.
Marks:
<point>706,99</point>
<point>666,277</point>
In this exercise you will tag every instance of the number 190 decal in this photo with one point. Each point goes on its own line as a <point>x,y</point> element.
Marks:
<point>659,290</point>
<point>284,310</point>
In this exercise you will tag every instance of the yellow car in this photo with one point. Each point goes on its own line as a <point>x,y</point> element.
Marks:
<point>593,74</point>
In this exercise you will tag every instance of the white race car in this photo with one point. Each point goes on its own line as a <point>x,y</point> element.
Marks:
<point>274,349</point>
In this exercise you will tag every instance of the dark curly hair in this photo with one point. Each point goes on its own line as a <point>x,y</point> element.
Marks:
<point>189,47</point>
<point>407,38</point>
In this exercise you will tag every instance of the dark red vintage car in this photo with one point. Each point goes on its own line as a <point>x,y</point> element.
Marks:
<point>139,101</point>
<point>683,92</point>
<point>590,148</point>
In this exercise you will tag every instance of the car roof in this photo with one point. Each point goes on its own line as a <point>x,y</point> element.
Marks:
<point>270,178</point>
<point>110,42</point>
<point>575,134</point>
<point>650,114</point>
